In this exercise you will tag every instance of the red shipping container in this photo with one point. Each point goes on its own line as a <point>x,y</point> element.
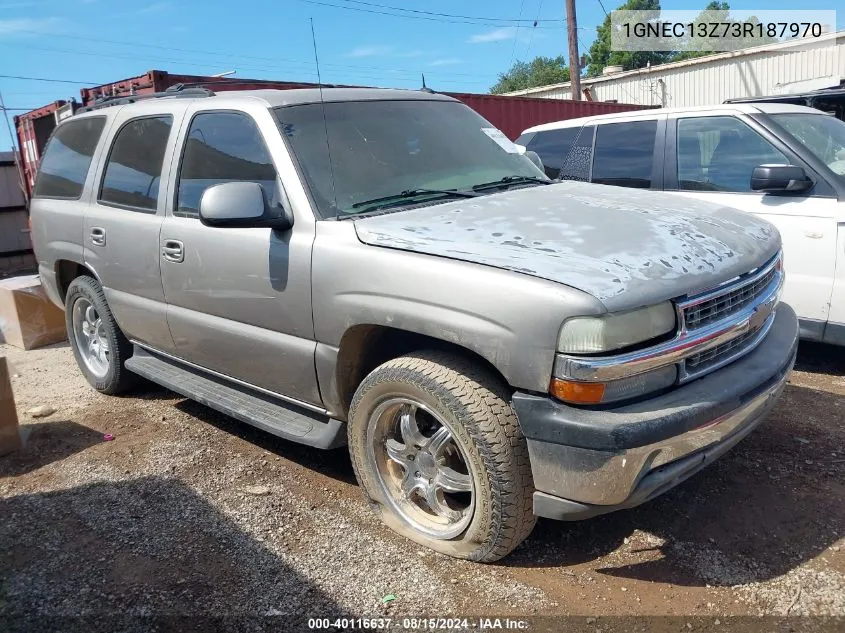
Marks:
<point>511,115</point>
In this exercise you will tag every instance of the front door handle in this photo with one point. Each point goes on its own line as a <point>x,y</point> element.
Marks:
<point>98,236</point>
<point>173,251</point>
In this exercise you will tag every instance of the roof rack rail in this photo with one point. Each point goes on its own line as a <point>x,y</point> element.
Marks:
<point>177,90</point>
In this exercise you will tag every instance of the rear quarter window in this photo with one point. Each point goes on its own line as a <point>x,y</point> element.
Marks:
<point>552,146</point>
<point>67,159</point>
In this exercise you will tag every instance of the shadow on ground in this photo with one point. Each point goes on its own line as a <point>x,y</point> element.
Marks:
<point>821,359</point>
<point>106,555</point>
<point>771,504</point>
<point>48,442</point>
<point>334,463</point>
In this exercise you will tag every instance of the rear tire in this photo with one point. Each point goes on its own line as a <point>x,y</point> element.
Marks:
<point>439,453</point>
<point>100,348</point>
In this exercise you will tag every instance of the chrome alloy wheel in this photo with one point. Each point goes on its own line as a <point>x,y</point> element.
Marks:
<point>91,339</point>
<point>421,468</point>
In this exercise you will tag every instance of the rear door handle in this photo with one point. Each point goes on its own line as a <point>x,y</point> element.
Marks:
<point>173,251</point>
<point>98,236</point>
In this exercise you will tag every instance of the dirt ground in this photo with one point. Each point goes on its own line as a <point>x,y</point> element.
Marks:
<point>189,512</point>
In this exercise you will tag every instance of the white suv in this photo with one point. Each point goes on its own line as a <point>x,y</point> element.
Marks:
<point>782,162</point>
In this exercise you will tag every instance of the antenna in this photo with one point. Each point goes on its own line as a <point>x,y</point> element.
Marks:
<point>325,123</point>
<point>424,87</point>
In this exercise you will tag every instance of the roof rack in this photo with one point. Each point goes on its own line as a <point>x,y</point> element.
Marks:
<point>177,90</point>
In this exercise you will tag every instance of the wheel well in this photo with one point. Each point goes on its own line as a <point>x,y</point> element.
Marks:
<point>365,347</point>
<point>67,271</point>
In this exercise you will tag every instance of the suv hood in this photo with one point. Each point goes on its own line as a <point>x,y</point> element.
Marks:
<point>626,247</point>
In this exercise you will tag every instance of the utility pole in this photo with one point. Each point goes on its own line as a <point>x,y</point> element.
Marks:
<point>574,59</point>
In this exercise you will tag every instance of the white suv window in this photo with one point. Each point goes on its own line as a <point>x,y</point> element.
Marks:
<point>719,153</point>
<point>552,146</point>
<point>624,154</point>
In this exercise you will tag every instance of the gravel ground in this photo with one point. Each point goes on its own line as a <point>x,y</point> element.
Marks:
<point>187,512</point>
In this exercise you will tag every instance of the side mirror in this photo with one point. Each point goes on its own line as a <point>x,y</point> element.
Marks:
<point>243,205</point>
<point>780,179</point>
<point>534,157</point>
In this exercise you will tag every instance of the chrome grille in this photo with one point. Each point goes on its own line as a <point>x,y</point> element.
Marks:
<point>701,361</point>
<point>723,305</point>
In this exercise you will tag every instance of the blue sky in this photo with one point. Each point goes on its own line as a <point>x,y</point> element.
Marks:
<point>99,41</point>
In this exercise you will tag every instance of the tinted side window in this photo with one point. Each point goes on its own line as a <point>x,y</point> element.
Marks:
<point>720,153</point>
<point>624,154</point>
<point>67,158</point>
<point>133,170</point>
<point>576,165</point>
<point>222,147</point>
<point>552,146</point>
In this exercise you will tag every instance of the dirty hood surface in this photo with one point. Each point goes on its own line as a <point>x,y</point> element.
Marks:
<point>626,247</point>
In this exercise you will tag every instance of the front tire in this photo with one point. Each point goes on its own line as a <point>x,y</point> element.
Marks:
<point>100,348</point>
<point>439,453</point>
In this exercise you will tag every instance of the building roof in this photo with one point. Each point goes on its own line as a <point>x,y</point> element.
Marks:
<point>685,64</point>
<point>793,96</point>
<point>745,108</point>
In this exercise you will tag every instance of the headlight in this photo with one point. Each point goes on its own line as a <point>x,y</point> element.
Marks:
<point>591,335</point>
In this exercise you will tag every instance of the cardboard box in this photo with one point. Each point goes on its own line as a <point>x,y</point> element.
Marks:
<point>28,319</point>
<point>10,436</point>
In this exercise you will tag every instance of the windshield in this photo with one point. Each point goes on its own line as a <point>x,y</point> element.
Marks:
<point>823,135</point>
<point>382,149</point>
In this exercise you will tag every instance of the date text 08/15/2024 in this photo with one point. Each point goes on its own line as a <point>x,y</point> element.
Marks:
<point>419,624</point>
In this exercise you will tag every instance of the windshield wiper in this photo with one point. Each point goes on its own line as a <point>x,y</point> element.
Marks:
<point>410,194</point>
<point>508,181</point>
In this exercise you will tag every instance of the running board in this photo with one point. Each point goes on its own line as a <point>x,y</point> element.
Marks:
<point>271,414</point>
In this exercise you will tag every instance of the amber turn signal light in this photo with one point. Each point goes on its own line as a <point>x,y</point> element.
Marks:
<point>577,392</point>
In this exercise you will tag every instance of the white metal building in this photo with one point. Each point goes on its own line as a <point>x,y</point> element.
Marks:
<point>786,67</point>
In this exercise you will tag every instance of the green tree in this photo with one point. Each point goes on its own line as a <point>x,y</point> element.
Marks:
<point>715,5</point>
<point>718,11</point>
<point>541,71</point>
<point>600,54</point>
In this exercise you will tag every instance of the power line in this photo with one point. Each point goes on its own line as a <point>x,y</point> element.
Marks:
<point>225,56</point>
<point>578,64</point>
<point>603,9</point>
<point>367,73</point>
<point>419,17</point>
<point>30,92</point>
<point>533,30</point>
<point>516,35</point>
<point>58,81</point>
<point>87,38</point>
<point>449,15</point>
<point>135,57</point>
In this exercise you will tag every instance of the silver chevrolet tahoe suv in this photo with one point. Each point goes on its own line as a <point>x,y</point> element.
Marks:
<point>384,269</point>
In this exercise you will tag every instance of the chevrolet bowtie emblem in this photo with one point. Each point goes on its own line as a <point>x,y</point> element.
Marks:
<point>759,316</point>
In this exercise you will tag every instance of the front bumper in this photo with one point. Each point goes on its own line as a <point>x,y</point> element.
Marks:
<point>587,462</point>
